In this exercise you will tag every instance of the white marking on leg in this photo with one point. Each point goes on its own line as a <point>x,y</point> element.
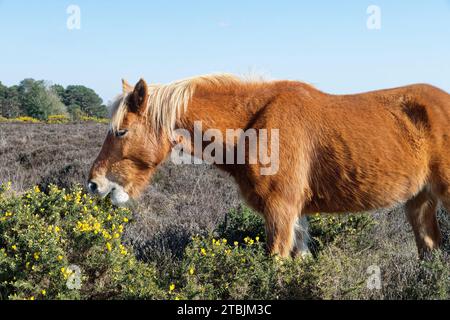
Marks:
<point>301,237</point>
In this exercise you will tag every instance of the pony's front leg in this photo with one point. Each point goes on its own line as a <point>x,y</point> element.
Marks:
<point>301,238</point>
<point>280,219</point>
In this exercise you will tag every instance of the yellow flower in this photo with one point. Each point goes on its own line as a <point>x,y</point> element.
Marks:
<point>125,220</point>
<point>66,272</point>
<point>36,189</point>
<point>191,271</point>
<point>203,251</point>
<point>31,298</point>
<point>44,292</point>
<point>123,250</point>
<point>236,243</point>
<point>172,287</point>
<point>97,227</point>
<point>36,256</point>
<point>60,257</point>
<point>14,247</point>
<point>224,241</point>
<point>108,246</point>
<point>106,235</point>
<point>257,239</point>
<point>57,229</point>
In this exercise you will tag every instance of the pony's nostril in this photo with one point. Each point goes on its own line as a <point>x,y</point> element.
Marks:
<point>92,186</point>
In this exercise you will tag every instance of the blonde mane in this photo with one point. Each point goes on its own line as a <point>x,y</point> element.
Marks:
<point>168,102</point>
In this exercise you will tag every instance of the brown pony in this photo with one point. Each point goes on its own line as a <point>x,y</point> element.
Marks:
<point>337,153</point>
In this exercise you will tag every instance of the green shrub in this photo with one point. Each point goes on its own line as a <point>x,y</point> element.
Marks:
<point>342,229</point>
<point>50,241</point>
<point>217,269</point>
<point>241,223</point>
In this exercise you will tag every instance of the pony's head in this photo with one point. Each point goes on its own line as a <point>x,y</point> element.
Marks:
<point>132,149</point>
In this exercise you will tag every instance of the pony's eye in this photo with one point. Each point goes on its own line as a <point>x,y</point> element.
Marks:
<point>121,133</point>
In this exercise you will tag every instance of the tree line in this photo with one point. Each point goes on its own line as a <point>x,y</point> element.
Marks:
<point>40,99</point>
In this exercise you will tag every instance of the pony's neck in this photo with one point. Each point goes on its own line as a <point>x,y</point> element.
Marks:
<point>226,107</point>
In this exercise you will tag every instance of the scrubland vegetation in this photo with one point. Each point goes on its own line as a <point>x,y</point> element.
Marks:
<point>190,236</point>
<point>33,100</point>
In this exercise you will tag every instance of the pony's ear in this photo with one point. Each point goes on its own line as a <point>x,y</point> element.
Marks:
<point>139,97</point>
<point>126,87</point>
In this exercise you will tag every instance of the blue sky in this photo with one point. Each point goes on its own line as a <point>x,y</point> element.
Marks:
<point>326,43</point>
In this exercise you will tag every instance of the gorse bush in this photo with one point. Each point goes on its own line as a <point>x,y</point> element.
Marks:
<point>94,119</point>
<point>25,119</point>
<point>233,262</point>
<point>216,269</point>
<point>58,119</point>
<point>241,223</point>
<point>65,245</point>
<point>54,119</point>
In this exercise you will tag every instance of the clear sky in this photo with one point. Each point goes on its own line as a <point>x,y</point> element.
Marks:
<point>326,43</point>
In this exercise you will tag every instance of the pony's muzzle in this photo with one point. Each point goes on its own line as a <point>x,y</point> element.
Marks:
<point>103,187</point>
<point>92,187</point>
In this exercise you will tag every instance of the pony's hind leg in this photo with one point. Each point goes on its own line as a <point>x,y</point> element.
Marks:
<point>421,214</point>
<point>301,238</point>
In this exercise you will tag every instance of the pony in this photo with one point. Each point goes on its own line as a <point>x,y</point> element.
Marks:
<point>336,153</point>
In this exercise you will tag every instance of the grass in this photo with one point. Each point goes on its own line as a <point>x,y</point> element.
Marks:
<point>186,207</point>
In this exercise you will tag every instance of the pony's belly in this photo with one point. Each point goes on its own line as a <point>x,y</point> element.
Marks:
<point>352,196</point>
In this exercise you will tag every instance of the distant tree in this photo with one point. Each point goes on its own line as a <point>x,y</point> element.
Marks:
<point>59,90</point>
<point>38,100</point>
<point>9,102</point>
<point>87,99</point>
<point>3,92</point>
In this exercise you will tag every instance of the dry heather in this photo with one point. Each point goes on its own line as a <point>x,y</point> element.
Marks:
<point>186,200</point>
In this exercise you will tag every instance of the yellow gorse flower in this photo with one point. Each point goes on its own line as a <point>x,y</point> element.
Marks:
<point>66,272</point>
<point>123,250</point>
